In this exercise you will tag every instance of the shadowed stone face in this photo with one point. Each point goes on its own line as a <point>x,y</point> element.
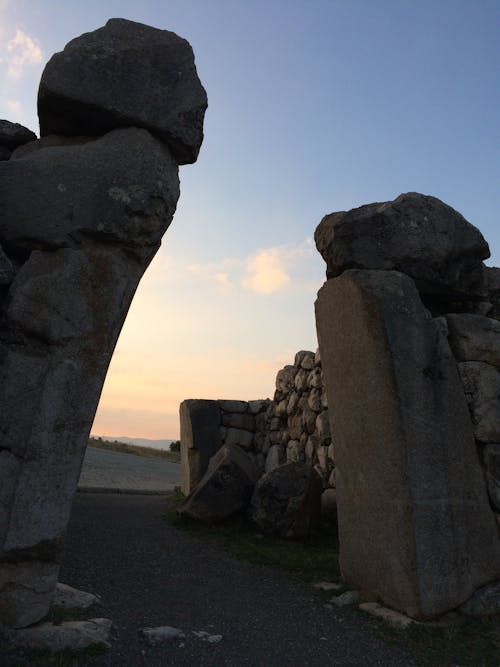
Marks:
<point>125,74</point>
<point>81,218</point>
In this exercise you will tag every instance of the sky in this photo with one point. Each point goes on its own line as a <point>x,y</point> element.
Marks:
<point>315,106</point>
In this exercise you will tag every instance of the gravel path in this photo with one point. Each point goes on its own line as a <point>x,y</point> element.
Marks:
<point>150,574</point>
<point>106,470</point>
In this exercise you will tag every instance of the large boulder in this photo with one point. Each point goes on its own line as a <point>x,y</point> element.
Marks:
<point>415,234</point>
<point>125,74</point>
<point>224,490</point>
<point>415,525</point>
<point>287,500</point>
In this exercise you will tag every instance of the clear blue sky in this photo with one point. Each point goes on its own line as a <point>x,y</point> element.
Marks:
<point>314,106</point>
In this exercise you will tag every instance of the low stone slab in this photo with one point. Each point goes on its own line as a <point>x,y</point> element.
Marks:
<point>224,490</point>
<point>392,617</point>
<point>74,635</point>
<point>121,75</point>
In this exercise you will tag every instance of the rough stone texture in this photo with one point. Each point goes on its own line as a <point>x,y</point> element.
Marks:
<point>491,276</point>
<point>415,234</point>
<point>82,217</point>
<point>5,153</point>
<point>77,255</point>
<point>125,74</point>
<point>72,598</point>
<point>482,389</point>
<point>390,616</point>
<point>275,457</point>
<point>491,459</point>
<point>474,338</point>
<point>73,635</point>
<point>287,501</point>
<point>200,439</point>
<point>225,489</point>
<point>415,526</point>
<point>486,600</point>
<point>26,591</point>
<point>13,135</point>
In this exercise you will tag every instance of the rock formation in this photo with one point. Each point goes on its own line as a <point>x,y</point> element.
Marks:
<point>13,135</point>
<point>409,391</point>
<point>82,217</point>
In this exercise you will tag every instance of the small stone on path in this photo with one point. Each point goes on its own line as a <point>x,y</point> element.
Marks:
<point>327,586</point>
<point>162,633</point>
<point>392,617</point>
<point>346,599</point>
<point>72,598</point>
<point>207,637</point>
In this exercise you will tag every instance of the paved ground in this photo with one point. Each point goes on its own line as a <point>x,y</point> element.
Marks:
<point>149,574</point>
<point>106,470</point>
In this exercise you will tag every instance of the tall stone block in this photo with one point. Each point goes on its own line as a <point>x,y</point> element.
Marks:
<point>415,526</point>
<point>200,439</point>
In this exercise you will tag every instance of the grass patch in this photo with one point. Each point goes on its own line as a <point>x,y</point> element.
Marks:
<point>313,560</point>
<point>147,452</point>
<point>471,642</point>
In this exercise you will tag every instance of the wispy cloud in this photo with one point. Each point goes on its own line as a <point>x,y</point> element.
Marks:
<point>21,51</point>
<point>264,272</point>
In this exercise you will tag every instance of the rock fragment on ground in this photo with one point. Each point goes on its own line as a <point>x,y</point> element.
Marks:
<point>346,599</point>
<point>161,634</point>
<point>72,598</point>
<point>392,617</point>
<point>74,635</point>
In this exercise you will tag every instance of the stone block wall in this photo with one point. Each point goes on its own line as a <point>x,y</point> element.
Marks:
<point>293,426</point>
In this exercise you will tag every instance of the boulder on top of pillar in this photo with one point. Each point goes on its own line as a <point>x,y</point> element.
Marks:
<point>415,234</point>
<point>125,74</point>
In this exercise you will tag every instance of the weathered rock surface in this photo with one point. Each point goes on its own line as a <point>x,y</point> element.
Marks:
<point>486,600</point>
<point>225,488</point>
<point>415,234</point>
<point>13,135</point>
<point>72,598</point>
<point>82,217</point>
<point>474,338</point>
<point>287,500</point>
<point>200,439</point>
<point>73,635</point>
<point>125,74</point>
<point>415,526</point>
<point>481,383</point>
<point>162,634</point>
<point>491,459</point>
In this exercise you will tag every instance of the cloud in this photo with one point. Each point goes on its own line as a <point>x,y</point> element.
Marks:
<point>21,51</point>
<point>14,106</point>
<point>266,272</point>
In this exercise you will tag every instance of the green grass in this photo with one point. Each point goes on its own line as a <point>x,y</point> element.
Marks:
<point>474,642</point>
<point>313,560</point>
<point>147,452</point>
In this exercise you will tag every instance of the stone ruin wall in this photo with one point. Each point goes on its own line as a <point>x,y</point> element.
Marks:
<point>293,426</point>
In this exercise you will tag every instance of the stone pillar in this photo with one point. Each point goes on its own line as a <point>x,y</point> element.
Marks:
<point>415,526</point>
<point>200,439</point>
<point>82,217</point>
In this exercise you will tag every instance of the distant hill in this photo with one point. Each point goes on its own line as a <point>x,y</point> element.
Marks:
<point>140,442</point>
